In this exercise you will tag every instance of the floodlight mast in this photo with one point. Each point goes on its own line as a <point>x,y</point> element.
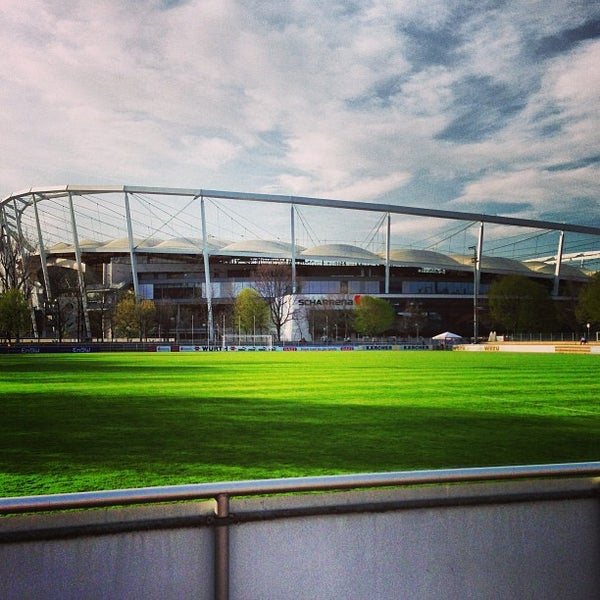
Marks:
<point>474,260</point>
<point>477,250</point>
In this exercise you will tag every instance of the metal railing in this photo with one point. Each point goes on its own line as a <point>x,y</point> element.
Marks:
<point>223,492</point>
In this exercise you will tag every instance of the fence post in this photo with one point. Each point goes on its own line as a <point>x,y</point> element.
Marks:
<point>222,548</point>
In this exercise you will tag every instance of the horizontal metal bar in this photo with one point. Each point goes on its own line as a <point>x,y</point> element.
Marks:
<point>62,191</point>
<point>175,493</point>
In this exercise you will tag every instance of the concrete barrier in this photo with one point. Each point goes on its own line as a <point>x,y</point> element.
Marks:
<point>529,539</point>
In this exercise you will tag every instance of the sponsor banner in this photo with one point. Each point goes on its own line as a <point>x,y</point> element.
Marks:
<point>205,348</point>
<point>315,348</point>
<point>412,347</point>
<point>393,347</point>
<point>49,348</point>
<point>190,348</point>
<point>530,348</point>
<point>378,347</point>
<point>347,347</point>
<point>246,348</point>
<point>339,302</point>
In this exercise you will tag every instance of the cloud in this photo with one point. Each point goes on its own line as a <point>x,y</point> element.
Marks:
<point>477,106</point>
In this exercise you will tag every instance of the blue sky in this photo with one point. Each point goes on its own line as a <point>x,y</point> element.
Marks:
<point>483,106</point>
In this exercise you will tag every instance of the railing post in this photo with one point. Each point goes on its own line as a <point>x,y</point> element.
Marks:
<point>222,548</point>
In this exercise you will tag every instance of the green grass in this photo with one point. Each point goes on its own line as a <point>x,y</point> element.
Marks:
<point>104,421</point>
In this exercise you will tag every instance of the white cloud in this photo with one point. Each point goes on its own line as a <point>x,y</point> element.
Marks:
<point>575,81</point>
<point>336,99</point>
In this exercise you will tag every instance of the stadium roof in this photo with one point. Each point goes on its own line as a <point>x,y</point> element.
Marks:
<point>339,253</point>
<point>188,245</point>
<point>344,252</point>
<point>273,249</point>
<point>422,258</point>
<point>28,196</point>
<point>494,264</point>
<point>105,218</point>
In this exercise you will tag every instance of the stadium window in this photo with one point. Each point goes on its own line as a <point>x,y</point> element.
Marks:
<point>320,287</point>
<point>363,287</point>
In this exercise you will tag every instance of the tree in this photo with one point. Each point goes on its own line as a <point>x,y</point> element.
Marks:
<point>251,312</point>
<point>273,283</point>
<point>372,316</point>
<point>146,312</point>
<point>14,314</point>
<point>588,305</point>
<point>133,317</point>
<point>16,260</point>
<point>519,304</point>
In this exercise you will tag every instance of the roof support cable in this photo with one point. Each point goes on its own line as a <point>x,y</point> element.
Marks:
<point>307,228</point>
<point>237,218</point>
<point>375,230</point>
<point>173,217</point>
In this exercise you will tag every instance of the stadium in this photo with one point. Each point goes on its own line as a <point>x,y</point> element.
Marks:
<point>191,252</point>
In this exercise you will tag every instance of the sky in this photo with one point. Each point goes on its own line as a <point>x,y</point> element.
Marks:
<point>489,106</point>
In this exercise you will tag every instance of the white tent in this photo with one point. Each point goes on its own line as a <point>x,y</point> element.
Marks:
<point>447,335</point>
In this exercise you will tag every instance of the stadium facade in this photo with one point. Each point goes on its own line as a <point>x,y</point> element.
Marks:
<point>84,246</point>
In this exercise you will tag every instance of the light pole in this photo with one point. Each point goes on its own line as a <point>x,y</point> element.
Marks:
<point>588,331</point>
<point>475,295</point>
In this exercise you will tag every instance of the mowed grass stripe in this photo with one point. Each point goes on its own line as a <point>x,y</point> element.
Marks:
<point>79,422</point>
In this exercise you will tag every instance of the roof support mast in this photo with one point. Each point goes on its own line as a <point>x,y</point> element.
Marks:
<point>477,250</point>
<point>42,249</point>
<point>387,253</point>
<point>293,236</point>
<point>80,277</point>
<point>559,257</point>
<point>134,271</point>
<point>26,282</point>
<point>205,255</point>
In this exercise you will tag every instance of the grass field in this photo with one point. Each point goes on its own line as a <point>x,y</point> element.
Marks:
<point>105,421</point>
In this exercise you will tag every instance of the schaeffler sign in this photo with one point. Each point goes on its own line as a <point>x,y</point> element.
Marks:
<point>326,302</point>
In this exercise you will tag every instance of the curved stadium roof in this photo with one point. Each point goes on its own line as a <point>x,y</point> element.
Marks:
<point>273,249</point>
<point>566,270</point>
<point>494,264</point>
<point>19,207</point>
<point>188,245</point>
<point>421,258</point>
<point>346,253</point>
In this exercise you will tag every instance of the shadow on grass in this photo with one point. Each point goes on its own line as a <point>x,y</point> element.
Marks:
<point>159,441</point>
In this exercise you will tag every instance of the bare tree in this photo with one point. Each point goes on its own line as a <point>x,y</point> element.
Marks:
<point>274,283</point>
<point>16,257</point>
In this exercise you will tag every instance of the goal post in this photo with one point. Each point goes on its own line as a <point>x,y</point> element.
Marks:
<point>248,340</point>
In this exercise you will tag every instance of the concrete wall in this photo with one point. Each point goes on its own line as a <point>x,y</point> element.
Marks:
<point>528,539</point>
